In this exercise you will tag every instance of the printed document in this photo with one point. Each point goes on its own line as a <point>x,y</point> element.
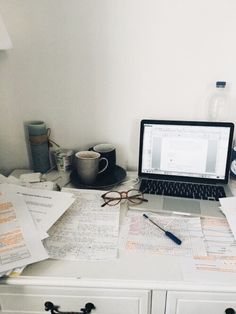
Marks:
<point>221,253</point>
<point>45,206</point>
<point>138,234</point>
<point>20,243</point>
<point>86,231</point>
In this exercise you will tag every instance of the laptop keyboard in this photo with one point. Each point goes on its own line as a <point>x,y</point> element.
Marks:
<point>182,189</point>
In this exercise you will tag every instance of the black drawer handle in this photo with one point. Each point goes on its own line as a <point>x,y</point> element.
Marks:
<point>229,311</point>
<point>49,306</point>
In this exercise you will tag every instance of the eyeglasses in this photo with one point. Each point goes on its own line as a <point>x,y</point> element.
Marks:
<point>112,198</point>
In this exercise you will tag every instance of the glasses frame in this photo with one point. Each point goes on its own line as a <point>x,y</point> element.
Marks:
<point>123,196</point>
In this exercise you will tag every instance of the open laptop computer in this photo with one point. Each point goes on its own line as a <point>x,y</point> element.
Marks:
<point>184,166</point>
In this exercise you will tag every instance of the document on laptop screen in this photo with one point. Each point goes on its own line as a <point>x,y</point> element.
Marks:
<point>185,150</point>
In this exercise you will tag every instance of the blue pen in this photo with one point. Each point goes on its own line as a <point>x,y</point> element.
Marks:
<point>167,233</point>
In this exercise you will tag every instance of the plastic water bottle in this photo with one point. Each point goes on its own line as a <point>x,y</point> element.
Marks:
<point>218,103</point>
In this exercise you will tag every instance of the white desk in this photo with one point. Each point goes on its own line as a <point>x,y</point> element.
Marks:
<point>134,283</point>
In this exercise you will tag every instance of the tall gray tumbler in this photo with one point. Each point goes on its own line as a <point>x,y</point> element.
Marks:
<point>38,140</point>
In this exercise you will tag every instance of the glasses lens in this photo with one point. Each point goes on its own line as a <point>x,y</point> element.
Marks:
<point>112,198</point>
<point>135,196</point>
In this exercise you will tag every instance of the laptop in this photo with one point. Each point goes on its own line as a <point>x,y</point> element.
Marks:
<point>184,166</point>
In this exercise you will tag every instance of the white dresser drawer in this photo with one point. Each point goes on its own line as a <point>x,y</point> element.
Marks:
<point>31,299</point>
<point>199,302</point>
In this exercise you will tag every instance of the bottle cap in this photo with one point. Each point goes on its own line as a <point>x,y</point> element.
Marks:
<point>220,84</point>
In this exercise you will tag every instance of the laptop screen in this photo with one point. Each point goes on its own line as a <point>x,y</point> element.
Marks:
<point>185,149</point>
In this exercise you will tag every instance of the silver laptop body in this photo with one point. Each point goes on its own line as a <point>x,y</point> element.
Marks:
<point>184,151</point>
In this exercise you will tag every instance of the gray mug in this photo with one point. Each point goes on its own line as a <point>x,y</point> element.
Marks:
<point>87,165</point>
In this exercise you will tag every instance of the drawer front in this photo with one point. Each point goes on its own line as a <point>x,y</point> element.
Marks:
<point>199,302</point>
<point>30,299</point>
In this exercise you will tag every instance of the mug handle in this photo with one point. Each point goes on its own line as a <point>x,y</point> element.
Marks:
<point>105,167</point>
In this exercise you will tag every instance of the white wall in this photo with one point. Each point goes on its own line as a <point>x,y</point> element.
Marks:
<point>91,69</point>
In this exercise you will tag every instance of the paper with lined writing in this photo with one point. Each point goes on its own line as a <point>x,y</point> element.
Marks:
<point>138,234</point>
<point>86,231</point>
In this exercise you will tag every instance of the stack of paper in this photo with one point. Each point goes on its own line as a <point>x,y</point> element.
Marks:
<point>30,180</point>
<point>25,217</point>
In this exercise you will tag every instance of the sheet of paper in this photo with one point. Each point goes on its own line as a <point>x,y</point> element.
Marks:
<point>19,240</point>
<point>31,177</point>
<point>47,185</point>
<point>220,261</point>
<point>3,179</point>
<point>15,272</point>
<point>211,263</point>
<point>45,206</point>
<point>86,231</point>
<point>44,185</point>
<point>209,269</point>
<point>219,239</point>
<point>4,273</point>
<point>138,234</point>
<point>13,180</point>
<point>228,207</point>
<point>232,185</point>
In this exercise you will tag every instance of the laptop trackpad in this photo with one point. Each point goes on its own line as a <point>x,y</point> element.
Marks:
<point>182,205</point>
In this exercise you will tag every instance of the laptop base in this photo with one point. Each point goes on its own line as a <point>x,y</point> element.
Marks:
<point>173,205</point>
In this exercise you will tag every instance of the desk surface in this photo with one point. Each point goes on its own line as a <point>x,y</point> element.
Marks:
<point>128,270</point>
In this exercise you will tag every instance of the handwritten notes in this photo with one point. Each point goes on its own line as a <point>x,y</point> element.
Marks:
<point>86,231</point>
